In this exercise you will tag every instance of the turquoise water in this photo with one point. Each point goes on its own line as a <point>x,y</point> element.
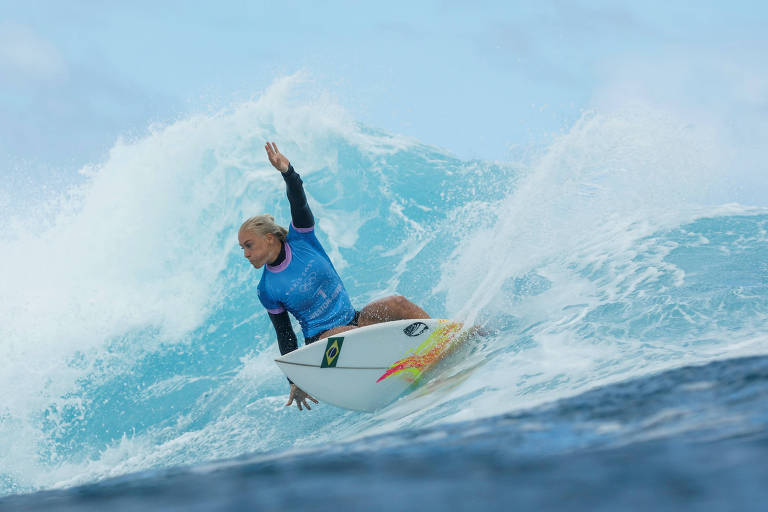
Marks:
<point>132,338</point>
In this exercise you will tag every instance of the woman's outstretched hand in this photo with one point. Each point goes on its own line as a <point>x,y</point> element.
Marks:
<point>276,158</point>
<point>300,396</point>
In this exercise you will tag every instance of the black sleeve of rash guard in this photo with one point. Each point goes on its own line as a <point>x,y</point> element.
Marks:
<point>301,215</point>
<point>286,338</point>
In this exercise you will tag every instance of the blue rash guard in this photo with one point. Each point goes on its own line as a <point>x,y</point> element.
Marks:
<point>302,279</point>
<point>306,285</point>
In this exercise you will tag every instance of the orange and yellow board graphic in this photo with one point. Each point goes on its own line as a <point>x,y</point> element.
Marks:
<point>429,352</point>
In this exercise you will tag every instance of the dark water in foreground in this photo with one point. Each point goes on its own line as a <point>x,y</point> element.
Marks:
<point>690,438</point>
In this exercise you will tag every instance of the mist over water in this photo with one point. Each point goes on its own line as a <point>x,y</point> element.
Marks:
<point>132,338</point>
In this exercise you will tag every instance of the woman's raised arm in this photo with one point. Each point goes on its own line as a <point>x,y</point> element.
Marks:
<point>301,215</point>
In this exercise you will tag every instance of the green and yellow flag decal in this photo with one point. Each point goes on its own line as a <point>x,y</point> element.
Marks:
<point>332,351</point>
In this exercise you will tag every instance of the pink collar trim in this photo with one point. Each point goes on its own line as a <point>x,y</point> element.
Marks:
<point>285,263</point>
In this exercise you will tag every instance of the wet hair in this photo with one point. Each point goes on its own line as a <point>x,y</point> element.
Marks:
<point>264,225</point>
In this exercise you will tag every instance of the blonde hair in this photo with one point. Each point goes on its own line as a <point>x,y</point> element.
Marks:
<point>264,225</point>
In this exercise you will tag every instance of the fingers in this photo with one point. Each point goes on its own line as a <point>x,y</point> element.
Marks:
<point>304,395</point>
<point>272,154</point>
<point>299,400</point>
<point>271,148</point>
<point>303,401</point>
<point>276,158</point>
<point>300,397</point>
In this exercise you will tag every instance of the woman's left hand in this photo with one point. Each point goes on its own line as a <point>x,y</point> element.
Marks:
<point>300,396</point>
<point>276,158</point>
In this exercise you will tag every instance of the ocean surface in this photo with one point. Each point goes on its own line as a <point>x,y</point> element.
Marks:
<point>621,269</point>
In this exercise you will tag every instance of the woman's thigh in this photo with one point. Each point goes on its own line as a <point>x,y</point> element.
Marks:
<point>337,330</point>
<point>395,307</point>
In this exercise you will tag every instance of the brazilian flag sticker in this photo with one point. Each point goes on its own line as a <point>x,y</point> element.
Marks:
<point>332,351</point>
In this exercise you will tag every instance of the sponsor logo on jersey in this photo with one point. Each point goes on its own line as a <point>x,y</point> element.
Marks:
<point>415,329</point>
<point>332,351</point>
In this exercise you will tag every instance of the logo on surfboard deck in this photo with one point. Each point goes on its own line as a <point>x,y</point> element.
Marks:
<point>332,351</point>
<point>416,329</point>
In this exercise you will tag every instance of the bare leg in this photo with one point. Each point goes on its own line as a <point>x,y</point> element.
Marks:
<point>391,308</point>
<point>337,330</point>
<point>387,309</point>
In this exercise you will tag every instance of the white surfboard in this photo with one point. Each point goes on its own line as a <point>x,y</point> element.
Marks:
<point>368,368</point>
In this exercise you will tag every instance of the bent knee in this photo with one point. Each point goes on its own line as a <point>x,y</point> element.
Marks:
<point>384,309</point>
<point>394,303</point>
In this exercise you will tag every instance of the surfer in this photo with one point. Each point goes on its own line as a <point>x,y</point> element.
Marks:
<point>299,277</point>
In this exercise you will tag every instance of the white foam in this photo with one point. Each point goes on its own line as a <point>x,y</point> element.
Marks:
<point>133,259</point>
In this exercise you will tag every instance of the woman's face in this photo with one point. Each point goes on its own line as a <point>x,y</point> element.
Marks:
<point>258,249</point>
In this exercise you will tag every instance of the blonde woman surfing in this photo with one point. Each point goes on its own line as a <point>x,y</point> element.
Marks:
<point>299,277</point>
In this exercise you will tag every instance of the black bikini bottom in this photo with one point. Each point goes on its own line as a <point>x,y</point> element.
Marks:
<point>354,322</point>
